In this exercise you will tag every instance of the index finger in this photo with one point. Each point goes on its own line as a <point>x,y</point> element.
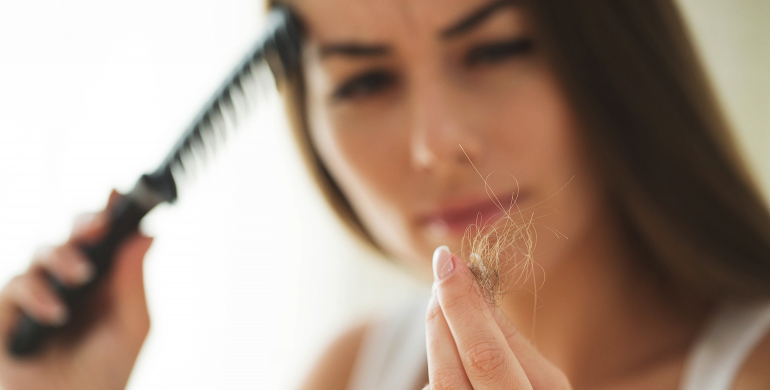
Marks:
<point>488,360</point>
<point>88,227</point>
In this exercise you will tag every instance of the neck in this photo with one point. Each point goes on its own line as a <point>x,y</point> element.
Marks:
<point>599,317</point>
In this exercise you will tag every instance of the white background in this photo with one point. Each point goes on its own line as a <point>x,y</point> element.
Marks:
<point>250,274</point>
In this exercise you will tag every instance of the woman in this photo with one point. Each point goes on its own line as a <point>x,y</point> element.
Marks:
<point>594,116</point>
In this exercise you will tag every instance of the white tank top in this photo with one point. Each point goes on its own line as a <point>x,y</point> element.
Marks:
<point>393,356</point>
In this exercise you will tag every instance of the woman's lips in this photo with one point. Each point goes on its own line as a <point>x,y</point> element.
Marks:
<point>456,216</point>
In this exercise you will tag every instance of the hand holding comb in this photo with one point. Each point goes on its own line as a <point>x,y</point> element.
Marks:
<point>279,49</point>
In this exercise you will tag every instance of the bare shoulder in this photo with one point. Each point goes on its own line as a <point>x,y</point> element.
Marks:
<point>755,374</point>
<point>335,364</point>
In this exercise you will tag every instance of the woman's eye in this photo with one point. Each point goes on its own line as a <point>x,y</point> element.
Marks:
<point>364,85</point>
<point>495,52</point>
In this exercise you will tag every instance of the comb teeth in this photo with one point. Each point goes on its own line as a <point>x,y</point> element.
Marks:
<point>212,127</point>
<point>236,97</point>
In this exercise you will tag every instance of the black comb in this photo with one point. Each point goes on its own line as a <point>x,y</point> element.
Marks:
<point>279,49</point>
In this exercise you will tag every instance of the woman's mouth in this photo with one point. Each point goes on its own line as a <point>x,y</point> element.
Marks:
<point>455,216</point>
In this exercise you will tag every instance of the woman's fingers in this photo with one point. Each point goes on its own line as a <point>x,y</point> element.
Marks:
<point>445,369</point>
<point>541,373</point>
<point>125,283</point>
<point>88,227</point>
<point>121,312</point>
<point>114,197</point>
<point>65,263</point>
<point>30,293</point>
<point>483,349</point>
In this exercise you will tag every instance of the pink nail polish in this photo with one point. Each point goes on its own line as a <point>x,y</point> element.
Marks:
<point>57,313</point>
<point>83,220</point>
<point>84,271</point>
<point>443,263</point>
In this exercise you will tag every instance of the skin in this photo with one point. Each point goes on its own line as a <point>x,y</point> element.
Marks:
<point>394,150</point>
<point>105,351</point>
<point>472,350</point>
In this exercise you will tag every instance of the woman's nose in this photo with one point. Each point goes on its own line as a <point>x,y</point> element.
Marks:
<point>442,140</point>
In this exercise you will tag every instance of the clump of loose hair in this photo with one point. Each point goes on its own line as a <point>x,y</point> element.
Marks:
<point>500,254</point>
<point>491,249</point>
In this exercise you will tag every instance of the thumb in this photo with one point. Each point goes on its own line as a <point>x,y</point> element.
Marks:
<point>127,286</point>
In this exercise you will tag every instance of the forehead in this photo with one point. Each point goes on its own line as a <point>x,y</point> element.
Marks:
<point>376,20</point>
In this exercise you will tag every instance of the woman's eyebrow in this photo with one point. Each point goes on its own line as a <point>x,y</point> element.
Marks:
<point>353,49</point>
<point>475,18</point>
<point>362,50</point>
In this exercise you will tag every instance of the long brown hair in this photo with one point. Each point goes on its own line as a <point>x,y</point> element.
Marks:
<point>656,133</point>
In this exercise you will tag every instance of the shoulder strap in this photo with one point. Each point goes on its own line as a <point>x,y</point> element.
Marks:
<point>392,355</point>
<point>726,342</point>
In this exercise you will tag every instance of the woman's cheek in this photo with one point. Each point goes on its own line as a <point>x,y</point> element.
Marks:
<point>374,144</point>
<point>368,157</point>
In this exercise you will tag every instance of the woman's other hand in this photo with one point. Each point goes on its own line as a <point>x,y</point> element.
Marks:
<point>96,351</point>
<point>473,346</point>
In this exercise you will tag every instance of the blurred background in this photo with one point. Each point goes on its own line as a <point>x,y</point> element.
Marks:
<point>250,274</point>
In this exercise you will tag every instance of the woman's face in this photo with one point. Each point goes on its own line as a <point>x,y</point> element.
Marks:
<point>413,103</point>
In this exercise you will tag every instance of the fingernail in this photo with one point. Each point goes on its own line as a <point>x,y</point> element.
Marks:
<point>58,314</point>
<point>83,220</point>
<point>84,271</point>
<point>443,264</point>
<point>87,222</point>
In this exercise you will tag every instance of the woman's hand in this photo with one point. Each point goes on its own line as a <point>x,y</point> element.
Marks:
<point>472,345</point>
<point>97,352</point>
